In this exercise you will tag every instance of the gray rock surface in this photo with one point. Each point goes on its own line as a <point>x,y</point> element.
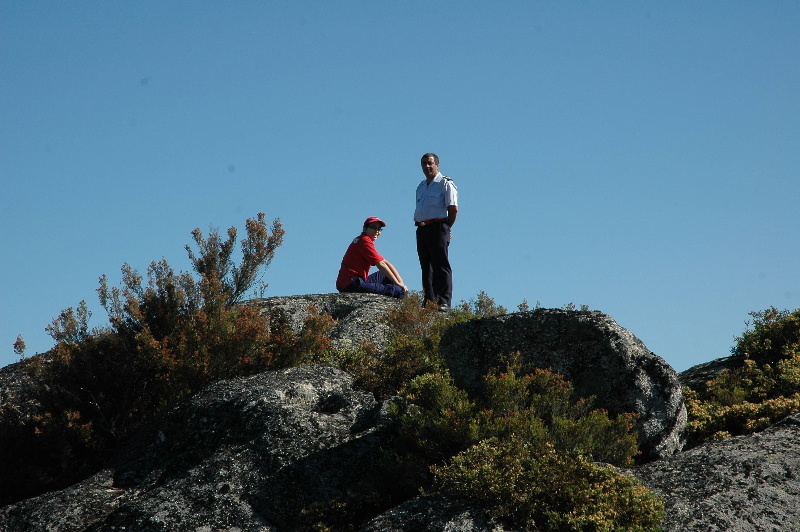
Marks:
<point>433,513</point>
<point>593,352</point>
<point>741,484</point>
<point>356,314</point>
<point>19,392</point>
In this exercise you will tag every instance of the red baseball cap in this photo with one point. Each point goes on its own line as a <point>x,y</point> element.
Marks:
<point>374,219</point>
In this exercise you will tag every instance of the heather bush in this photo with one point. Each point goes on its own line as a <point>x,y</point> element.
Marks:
<point>482,306</point>
<point>481,449</point>
<point>517,404</point>
<point>215,259</point>
<point>441,420</point>
<point>412,348</point>
<point>764,389</point>
<point>439,426</point>
<point>437,421</point>
<point>167,337</point>
<point>188,331</point>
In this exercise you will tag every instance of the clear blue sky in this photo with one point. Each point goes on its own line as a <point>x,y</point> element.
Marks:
<point>642,158</point>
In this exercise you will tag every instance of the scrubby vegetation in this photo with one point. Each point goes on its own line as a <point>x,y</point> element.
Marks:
<point>165,339</point>
<point>763,390</point>
<point>526,449</point>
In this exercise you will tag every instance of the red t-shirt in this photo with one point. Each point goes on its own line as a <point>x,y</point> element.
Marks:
<point>360,256</point>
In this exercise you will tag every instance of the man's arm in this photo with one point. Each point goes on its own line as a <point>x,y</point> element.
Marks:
<point>387,269</point>
<point>452,213</point>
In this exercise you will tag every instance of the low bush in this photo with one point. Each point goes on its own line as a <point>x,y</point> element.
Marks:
<point>773,335</point>
<point>442,420</point>
<point>763,390</point>
<point>539,488</point>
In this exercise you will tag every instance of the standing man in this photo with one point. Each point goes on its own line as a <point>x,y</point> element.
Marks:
<point>437,208</point>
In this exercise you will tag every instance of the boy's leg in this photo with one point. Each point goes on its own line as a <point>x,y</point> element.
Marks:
<point>377,278</point>
<point>377,283</point>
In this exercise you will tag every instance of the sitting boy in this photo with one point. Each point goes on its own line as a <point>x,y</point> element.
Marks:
<point>360,256</point>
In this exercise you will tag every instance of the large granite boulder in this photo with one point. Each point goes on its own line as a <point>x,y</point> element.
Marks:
<point>592,351</point>
<point>244,454</point>
<point>741,484</point>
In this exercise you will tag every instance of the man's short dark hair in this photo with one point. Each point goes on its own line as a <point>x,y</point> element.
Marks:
<point>435,158</point>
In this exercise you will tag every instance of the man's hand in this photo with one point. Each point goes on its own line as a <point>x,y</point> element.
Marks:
<point>452,214</point>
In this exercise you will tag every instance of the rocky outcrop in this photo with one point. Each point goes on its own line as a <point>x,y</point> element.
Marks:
<point>249,454</point>
<point>745,483</point>
<point>246,454</point>
<point>593,352</point>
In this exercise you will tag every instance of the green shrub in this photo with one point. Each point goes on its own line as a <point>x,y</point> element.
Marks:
<point>442,437</point>
<point>482,306</point>
<point>538,407</point>
<point>539,488</point>
<point>763,390</point>
<point>524,450</point>
<point>518,404</point>
<point>439,421</point>
<point>774,335</point>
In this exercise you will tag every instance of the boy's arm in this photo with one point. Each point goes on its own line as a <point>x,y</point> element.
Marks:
<point>388,269</point>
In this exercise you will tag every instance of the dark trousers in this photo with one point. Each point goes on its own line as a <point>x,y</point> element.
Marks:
<point>433,241</point>
<point>377,283</point>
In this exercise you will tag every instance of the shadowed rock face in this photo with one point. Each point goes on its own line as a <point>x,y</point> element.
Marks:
<point>592,351</point>
<point>244,454</point>
<point>698,376</point>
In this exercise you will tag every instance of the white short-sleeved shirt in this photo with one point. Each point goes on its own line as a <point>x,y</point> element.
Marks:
<point>434,198</point>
